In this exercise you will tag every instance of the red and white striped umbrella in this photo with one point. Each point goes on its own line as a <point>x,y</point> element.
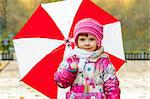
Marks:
<point>41,44</point>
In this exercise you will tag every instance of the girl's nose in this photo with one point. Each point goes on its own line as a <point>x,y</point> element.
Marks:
<point>87,43</point>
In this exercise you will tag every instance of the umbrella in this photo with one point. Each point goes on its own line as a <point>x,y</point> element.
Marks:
<point>41,44</point>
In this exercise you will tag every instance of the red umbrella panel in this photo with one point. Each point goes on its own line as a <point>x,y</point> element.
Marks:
<point>41,44</point>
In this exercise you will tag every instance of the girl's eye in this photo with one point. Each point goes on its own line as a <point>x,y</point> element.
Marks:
<point>91,39</point>
<point>82,39</point>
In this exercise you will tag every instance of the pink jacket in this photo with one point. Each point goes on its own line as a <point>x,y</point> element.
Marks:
<point>98,79</point>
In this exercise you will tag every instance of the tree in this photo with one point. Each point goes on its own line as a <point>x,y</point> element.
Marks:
<point>3,6</point>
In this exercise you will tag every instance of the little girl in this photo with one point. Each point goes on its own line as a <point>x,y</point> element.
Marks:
<point>87,70</point>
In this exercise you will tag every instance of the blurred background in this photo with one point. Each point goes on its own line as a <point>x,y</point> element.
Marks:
<point>135,18</point>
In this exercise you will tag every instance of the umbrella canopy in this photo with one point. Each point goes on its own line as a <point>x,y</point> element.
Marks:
<point>41,44</point>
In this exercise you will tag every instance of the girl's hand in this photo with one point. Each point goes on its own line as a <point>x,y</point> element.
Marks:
<point>73,65</point>
<point>73,62</point>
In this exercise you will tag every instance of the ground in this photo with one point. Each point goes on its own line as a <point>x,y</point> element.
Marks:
<point>134,79</point>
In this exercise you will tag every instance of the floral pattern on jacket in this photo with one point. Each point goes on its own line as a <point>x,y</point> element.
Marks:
<point>98,78</point>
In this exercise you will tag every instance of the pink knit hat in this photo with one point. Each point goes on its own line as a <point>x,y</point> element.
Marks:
<point>91,26</point>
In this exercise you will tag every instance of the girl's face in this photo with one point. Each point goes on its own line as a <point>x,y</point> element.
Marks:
<point>87,42</point>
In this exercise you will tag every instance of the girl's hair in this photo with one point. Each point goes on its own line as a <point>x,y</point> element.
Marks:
<point>83,34</point>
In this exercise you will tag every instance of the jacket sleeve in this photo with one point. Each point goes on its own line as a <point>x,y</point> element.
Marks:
<point>111,82</point>
<point>65,76</point>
